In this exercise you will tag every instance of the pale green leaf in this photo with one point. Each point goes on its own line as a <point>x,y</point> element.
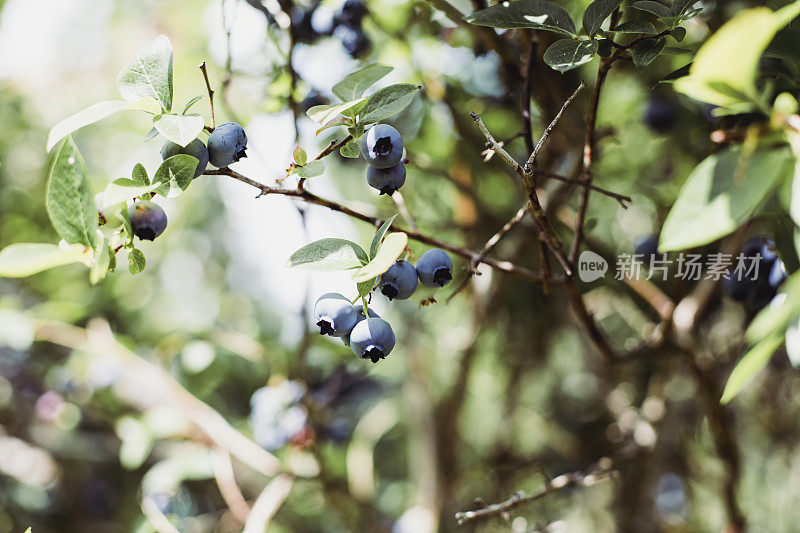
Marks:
<point>328,255</point>
<point>136,261</point>
<point>720,194</point>
<point>379,235</point>
<point>149,75</point>
<point>99,269</point>
<point>70,200</point>
<point>326,113</point>
<point>26,259</point>
<point>311,169</point>
<point>90,115</point>
<point>393,245</point>
<point>750,365</point>
<point>180,129</point>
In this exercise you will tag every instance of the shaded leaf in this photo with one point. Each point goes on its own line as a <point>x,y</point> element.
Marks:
<point>566,54</point>
<point>525,14</point>
<point>646,51</point>
<point>636,26</point>
<point>176,170</point>
<point>388,102</point>
<point>657,9</point>
<point>190,103</point>
<point>597,12</point>
<point>750,365</point>
<point>354,85</point>
<point>379,235</point>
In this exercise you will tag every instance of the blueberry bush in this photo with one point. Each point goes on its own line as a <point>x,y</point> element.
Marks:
<point>415,266</point>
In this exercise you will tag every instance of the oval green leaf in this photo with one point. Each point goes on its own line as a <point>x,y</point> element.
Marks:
<point>328,255</point>
<point>393,245</point>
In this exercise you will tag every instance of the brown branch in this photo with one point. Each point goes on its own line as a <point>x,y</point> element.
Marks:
<point>529,164</point>
<point>210,95</point>
<point>623,199</point>
<point>602,470</point>
<point>311,198</point>
<point>527,85</point>
<point>491,243</point>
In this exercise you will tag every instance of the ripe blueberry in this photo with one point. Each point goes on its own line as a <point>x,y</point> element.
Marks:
<point>351,13</point>
<point>434,268</point>
<point>148,220</point>
<point>196,148</point>
<point>646,249</point>
<point>372,339</point>
<point>335,315</point>
<point>399,282</point>
<point>275,416</point>
<point>354,40</point>
<point>312,99</point>
<point>360,312</point>
<point>660,115</point>
<point>386,180</point>
<point>226,144</point>
<point>382,146</point>
<point>757,286</point>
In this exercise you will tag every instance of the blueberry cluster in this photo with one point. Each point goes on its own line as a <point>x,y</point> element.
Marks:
<point>347,27</point>
<point>369,336</point>
<point>226,145</point>
<point>382,147</point>
<point>276,415</point>
<point>434,269</point>
<point>757,287</point>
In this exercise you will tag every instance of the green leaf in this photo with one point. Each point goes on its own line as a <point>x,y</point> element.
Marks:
<point>636,26</point>
<point>300,156</point>
<point>149,75</point>
<point>657,9</point>
<point>350,150</point>
<point>354,85</point>
<point>70,200</point>
<point>136,261</point>
<point>99,269</point>
<point>750,365</point>
<point>774,319</point>
<point>327,113</point>
<point>724,70</point>
<point>597,12</point>
<point>679,33</point>
<point>124,189</point>
<point>566,54</point>
<point>365,287</point>
<point>720,194</point>
<point>176,170</point>
<point>379,235</point>
<point>329,254</point>
<point>674,75</point>
<point>180,129</point>
<point>26,259</point>
<point>311,170</point>
<point>190,103</point>
<point>139,175</point>
<point>388,102</point>
<point>680,6</point>
<point>646,51</point>
<point>525,14</point>
<point>393,245</point>
<point>152,134</point>
<point>90,115</point>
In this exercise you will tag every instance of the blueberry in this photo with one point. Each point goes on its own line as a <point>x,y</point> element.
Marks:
<point>777,274</point>
<point>756,288</point>
<point>382,146</point>
<point>399,282</point>
<point>354,40</point>
<point>302,29</point>
<point>386,180</point>
<point>275,416</point>
<point>335,315</point>
<point>226,144</point>
<point>372,339</point>
<point>660,115</point>
<point>646,248</point>
<point>360,312</point>
<point>434,268</point>
<point>312,99</point>
<point>196,148</point>
<point>148,220</point>
<point>351,13</point>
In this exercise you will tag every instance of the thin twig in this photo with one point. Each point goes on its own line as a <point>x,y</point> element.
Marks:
<point>491,243</point>
<point>403,210</point>
<point>529,164</point>
<point>601,471</point>
<point>623,199</point>
<point>311,198</point>
<point>210,95</point>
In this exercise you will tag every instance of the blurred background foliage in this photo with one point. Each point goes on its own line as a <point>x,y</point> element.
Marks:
<point>480,391</point>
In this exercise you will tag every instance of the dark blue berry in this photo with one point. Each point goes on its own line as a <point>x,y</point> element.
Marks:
<point>226,144</point>
<point>148,220</point>
<point>335,315</point>
<point>386,180</point>
<point>399,281</point>
<point>382,146</point>
<point>372,339</point>
<point>434,268</point>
